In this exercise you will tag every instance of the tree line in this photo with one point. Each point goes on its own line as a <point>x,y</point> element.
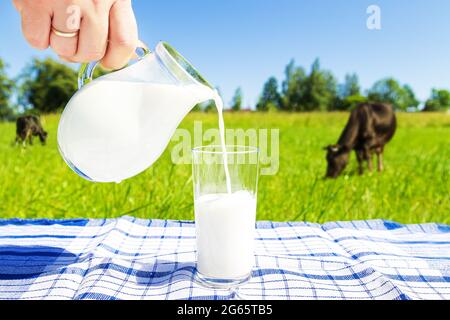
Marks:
<point>46,85</point>
<point>318,90</point>
<point>43,86</point>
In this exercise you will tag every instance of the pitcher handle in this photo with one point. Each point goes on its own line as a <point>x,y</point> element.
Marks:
<point>86,71</point>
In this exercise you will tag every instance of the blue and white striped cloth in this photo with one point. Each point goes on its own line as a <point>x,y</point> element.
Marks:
<point>128,258</point>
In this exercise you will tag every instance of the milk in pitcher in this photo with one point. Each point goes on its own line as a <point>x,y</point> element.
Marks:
<point>107,142</point>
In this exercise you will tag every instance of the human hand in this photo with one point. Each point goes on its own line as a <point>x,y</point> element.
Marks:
<point>81,30</point>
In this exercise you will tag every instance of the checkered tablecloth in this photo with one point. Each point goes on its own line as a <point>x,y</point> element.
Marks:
<point>128,258</point>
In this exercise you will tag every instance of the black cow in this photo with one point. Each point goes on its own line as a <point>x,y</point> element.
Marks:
<point>27,127</point>
<point>369,128</point>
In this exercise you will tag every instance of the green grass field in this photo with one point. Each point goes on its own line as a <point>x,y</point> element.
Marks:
<point>35,182</point>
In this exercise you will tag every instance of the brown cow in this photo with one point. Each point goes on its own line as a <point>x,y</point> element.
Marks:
<point>27,127</point>
<point>369,128</point>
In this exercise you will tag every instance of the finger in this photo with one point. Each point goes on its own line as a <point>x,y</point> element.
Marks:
<point>36,24</point>
<point>123,35</point>
<point>66,47</point>
<point>67,59</point>
<point>93,36</point>
<point>18,5</point>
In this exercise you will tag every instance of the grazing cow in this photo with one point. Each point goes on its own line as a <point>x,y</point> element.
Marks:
<point>27,127</point>
<point>369,128</point>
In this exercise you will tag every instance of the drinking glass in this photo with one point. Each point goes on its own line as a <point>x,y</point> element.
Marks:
<point>225,191</point>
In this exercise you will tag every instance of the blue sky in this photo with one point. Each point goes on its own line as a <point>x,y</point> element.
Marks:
<point>243,42</point>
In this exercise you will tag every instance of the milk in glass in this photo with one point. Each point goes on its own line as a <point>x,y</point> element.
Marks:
<point>225,226</point>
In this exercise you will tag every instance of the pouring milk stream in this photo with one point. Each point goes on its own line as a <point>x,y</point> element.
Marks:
<point>118,125</point>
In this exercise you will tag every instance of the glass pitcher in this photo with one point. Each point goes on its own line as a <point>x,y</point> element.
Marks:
<point>118,125</point>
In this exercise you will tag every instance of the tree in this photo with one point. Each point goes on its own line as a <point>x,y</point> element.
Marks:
<point>350,87</point>
<point>349,93</point>
<point>319,89</point>
<point>408,99</point>
<point>236,101</point>
<point>47,85</point>
<point>350,102</point>
<point>390,91</point>
<point>292,87</point>
<point>302,92</point>
<point>6,88</point>
<point>270,98</point>
<point>438,101</point>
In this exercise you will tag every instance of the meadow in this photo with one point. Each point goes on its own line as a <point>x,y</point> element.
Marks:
<point>415,187</point>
